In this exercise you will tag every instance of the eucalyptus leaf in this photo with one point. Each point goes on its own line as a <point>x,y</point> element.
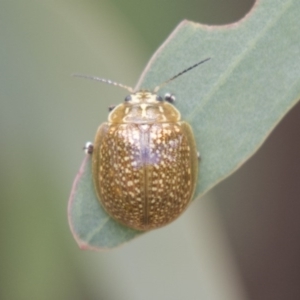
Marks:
<point>233,101</point>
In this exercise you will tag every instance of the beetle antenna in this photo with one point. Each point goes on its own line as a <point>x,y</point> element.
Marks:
<point>128,88</point>
<point>179,74</point>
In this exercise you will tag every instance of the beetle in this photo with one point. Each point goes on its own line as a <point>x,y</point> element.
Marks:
<point>144,159</point>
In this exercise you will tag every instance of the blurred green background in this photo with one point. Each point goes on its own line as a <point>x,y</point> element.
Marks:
<point>241,241</point>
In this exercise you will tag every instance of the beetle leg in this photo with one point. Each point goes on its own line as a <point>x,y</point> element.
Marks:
<point>199,156</point>
<point>88,148</point>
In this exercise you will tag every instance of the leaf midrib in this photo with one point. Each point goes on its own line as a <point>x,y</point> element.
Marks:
<point>223,79</point>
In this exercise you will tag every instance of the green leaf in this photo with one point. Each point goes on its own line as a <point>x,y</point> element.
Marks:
<point>233,101</point>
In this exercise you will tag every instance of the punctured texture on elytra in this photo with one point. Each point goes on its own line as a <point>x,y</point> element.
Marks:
<point>145,163</point>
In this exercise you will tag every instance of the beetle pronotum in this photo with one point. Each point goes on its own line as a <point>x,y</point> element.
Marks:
<point>144,159</point>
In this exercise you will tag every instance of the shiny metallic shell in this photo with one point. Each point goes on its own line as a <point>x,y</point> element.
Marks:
<point>145,163</point>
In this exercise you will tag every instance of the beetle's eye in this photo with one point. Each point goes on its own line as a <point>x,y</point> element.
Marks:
<point>159,98</point>
<point>170,98</point>
<point>127,98</point>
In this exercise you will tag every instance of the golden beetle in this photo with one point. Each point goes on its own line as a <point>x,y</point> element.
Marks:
<point>144,159</point>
